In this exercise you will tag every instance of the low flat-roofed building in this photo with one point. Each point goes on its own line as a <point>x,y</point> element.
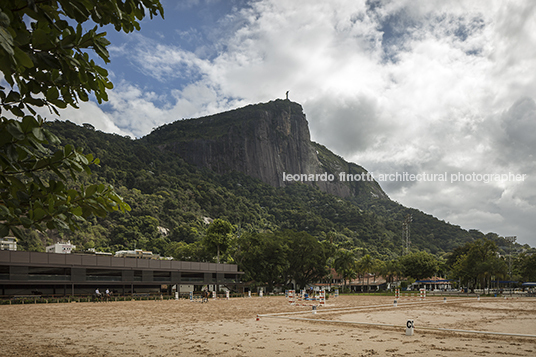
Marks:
<point>80,274</point>
<point>8,243</point>
<point>61,248</point>
<point>93,251</point>
<point>137,253</point>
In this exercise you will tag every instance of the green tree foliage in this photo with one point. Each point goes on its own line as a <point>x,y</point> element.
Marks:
<point>44,58</point>
<point>193,252</point>
<point>526,267</point>
<point>366,266</point>
<point>30,200</point>
<point>419,265</point>
<point>427,232</point>
<point>391,270</point>
<point>44,50</point>
<point>277,259</point>
<point>218,237</point>
<point>477,263</point>
<point>307,258</point>
<point>344,264</point>
<point>263,257</point>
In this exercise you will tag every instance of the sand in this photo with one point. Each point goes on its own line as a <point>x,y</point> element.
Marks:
<point>230,328</point>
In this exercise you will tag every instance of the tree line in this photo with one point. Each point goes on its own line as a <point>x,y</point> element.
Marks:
<point>277,259</point>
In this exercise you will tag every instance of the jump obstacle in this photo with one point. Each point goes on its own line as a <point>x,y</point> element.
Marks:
<point>196,298</point>
<point>301,300</point>
<point>410,296</point>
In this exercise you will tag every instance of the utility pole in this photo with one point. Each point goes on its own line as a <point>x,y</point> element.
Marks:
<point>405,232</point>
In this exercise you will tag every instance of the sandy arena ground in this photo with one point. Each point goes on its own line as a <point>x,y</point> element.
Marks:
<point>230,328</point>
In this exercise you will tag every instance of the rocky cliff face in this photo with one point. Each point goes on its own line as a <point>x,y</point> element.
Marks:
<point>267,141</point>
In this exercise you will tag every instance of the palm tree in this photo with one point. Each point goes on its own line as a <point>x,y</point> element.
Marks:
<point>344,264</point>
<point>366,264</point>
<point>378,267</point>
<point>390,270</point>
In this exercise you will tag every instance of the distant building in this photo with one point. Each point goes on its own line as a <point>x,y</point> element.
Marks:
<point>93,251</point>
<point>136,253</point>
<point>62,248</point>
<point>433,283</point>
<point>24,273</point>
<point>8,243</point>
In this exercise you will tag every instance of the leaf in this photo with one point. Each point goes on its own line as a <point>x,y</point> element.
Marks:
<point>26,222</point>
<point>17,111</point>
<point>13,97</point>
<point>17,232</point>
<point>4,230</point>
<point>68,150</point>
<point>22,58</point>
<point>51,138</point>
<point>28,122</point>
<point>38,214</point>
<point>52,93</point>
<point>77,211</point>
<point>40,40</point>
<point>12,155</point>
<point>38,133</point>
<point>47,60</point>
<point>90,191</point>
<point>6,40</point>
<point>37,145</point>
<point>15,130</point>
<point>59,103</point>
<point>60,175</point>
<point>76,166</point>
<point>72,194</point>
<point>31,110</point>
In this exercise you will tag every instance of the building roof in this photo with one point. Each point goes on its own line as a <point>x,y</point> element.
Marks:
<point>102,261</point>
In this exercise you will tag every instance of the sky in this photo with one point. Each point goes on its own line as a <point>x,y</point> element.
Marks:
<point>444,90</point>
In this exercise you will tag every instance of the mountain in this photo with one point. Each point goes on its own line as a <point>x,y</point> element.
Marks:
<point>268,141</point>
<point>230,165</point>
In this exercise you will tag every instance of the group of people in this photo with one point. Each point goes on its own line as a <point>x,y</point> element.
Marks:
<point>98,294</point>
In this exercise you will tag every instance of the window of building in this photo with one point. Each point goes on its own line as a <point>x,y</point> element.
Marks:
<point>49,273</point>
<point>4,272</point>
<point>103,275</point>
<point>162,276</point>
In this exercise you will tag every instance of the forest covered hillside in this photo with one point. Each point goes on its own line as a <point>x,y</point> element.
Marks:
<point>174,195</point>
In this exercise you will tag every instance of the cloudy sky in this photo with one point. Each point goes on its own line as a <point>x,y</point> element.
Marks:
<point>437,87</point>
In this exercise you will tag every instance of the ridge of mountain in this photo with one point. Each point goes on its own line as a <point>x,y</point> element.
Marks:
<point>268,141</point>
